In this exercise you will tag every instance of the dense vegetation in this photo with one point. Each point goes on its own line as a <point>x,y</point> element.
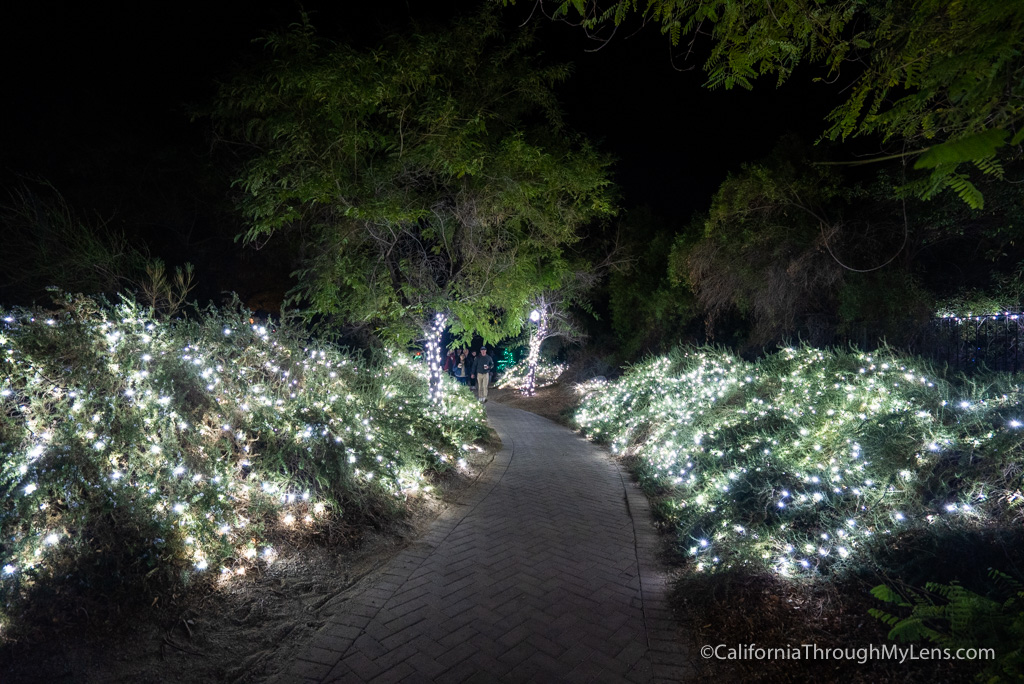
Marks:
<point>431,175</point>
<point>805,459</point>
<point>793,248</point>
<point>431,183</point>
<point>940,81</point>
<point>145,453</point>
<point>821,464</point>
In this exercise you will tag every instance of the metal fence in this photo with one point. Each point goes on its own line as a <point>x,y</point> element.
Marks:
<point>963,344</point>
<point>975,342</point>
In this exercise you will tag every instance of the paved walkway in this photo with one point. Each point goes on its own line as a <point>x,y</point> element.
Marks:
<point>545,572</point>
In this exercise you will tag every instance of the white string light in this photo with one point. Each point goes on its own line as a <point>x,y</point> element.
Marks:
<point>540,318</point>
<point>723,434</point>
<point>202,479</point>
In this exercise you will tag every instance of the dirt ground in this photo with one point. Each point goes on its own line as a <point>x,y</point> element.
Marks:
<point>552,402</point>
<point>246,631</point>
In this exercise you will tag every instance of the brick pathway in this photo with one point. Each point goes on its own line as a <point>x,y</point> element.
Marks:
<point>545,572</point>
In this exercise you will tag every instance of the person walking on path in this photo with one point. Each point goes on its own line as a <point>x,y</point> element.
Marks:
<point>482,370</point>
<point>450,362</point>
<point>462,367</point>
<point>470,366</point>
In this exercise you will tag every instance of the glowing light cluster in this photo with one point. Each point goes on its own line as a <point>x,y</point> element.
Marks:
<point>215,435</point>
<point>434,357</point>
<point>539,317</point>
<point>517,377</point>
<point>806,459</point>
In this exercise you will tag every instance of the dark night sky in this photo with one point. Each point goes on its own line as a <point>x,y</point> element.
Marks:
<point>96,97</point>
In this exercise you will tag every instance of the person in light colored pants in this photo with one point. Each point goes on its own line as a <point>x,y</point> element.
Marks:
<point>482,372</point>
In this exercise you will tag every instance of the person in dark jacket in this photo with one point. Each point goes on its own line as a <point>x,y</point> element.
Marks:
<point>482,368</point>
<point>470,366</point>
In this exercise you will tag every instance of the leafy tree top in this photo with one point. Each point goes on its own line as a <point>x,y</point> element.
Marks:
<point>945,79</point>
<point>431,174</point>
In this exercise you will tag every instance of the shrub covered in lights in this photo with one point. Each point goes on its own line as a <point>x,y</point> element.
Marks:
<point>137,451</point>
<point>515,377</point>
<point>803,461</point>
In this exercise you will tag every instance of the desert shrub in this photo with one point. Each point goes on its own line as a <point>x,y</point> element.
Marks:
<point>139,452</point>
<point>809,460</point>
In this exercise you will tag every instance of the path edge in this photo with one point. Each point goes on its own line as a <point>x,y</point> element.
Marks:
<point>347,616</point>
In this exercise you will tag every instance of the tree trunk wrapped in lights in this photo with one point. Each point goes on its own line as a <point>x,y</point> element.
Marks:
<point>539,334</point>
<point>433,355</point>
<point>552,316</point>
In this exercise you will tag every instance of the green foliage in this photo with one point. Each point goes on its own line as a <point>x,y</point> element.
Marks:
<point>941,76</point>
<point>765,248</point>
<point>140,453</point>
<point>956,618</point>
<point>432,174</point>
<point>810,461</point>
<point>648,310</point>
<point>979,149</point>
<point>891,303</point>
<point>790,247</point>
<point>982,146</point>
<point>1007,294</point>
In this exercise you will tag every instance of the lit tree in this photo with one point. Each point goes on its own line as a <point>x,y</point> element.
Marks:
<point>551,309</point>
<point>539,317</point>
<point>431,181</point>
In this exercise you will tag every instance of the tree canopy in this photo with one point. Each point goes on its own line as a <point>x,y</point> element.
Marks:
<point>790,246</point>
<point>432,174</point>
<point>764,248</point>
<point>939,79</point>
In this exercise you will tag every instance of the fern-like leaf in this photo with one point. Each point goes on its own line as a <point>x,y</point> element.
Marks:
<point>990,166</point>
<point>965,190</point>
<point>966,149</point>
<point>885,593</point>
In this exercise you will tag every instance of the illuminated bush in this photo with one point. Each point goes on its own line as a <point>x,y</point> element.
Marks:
<point>136,452</point>
<point>804,461</point>
<point>515,376</point>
